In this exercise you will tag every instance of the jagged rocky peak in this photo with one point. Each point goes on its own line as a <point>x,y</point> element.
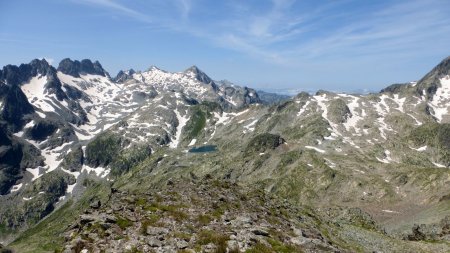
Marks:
<point>396,88</point>
<point>251,96</point>
<point>39,66</point>
<point>86,66</point>
<point>195,72</point>
<point>154,68</point>
<point>431,82</point>
<point>124,75</point>
<point>440,71</point>
<point>16,75</point>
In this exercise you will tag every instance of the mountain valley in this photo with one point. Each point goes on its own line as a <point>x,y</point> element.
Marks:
<point>155,161</point>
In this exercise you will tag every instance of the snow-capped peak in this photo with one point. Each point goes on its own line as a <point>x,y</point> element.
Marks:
<point>195,72</point>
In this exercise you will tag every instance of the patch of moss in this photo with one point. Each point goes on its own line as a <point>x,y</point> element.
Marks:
<point>134,249</point>
<point>123,223</point>
<point>218,212</point>
<point>172,210</point>
<point>182,235</point>
<point>184,251</point>
<point>281,247</point>
<point>259,248</point>
<point>141,202</point>
<point>97,229</point>
<point>151,220</point>
<point>218,239</point>
<point>174,196</point>
<point>144,225</point>
<point>178,215</point>
<point>204,219</point>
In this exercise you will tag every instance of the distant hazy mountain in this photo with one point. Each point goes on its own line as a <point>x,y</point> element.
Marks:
<point>269,98</point>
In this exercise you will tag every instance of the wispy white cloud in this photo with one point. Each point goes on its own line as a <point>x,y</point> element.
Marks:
<point>269,26</point>
<point>401,27</point>
<point>288,31</point>
<point>118,8</point>
<point>185,7</point>
<point>395,29</point>
<point>235,43</point>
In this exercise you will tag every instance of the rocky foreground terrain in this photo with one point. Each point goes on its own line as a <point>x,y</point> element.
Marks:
<point>155,161</point>
<point>211,216</point>
<point>206,215</point>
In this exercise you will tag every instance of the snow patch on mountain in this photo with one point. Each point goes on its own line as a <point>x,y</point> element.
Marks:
<point>418,123</point>
<point>182,120</point>
<point>35,92</point>
<point>16,187</point>
<point>330,163</point>
<point>387,157</point>
<point>28,125</point>
<point>35,172</point>
<point>105,102</point>
<point>250,127</point>
<point>76,174</point>
<point>52,159</point>
<point>355,116</point>
<point>400,102</point>
<point>382,109</point>
<point>320,100</point>
<point>166,80</point>
<point>439,165</point>
<point>441,99</point>
<point>316,149</point>
<point>226,117</point>
<point>303,109</point>
<point>99,171</point>
<point>421,149</point>
<point>192,143</point>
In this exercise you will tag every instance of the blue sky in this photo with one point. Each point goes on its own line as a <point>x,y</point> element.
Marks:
<point>282,45</point>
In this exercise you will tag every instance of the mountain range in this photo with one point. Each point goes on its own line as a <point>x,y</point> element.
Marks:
<point>91,163</point>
